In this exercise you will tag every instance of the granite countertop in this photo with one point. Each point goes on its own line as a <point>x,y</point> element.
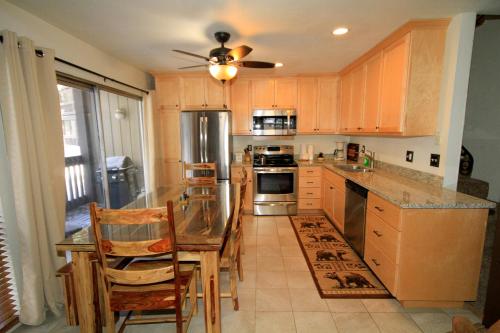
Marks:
<point>405,192</point>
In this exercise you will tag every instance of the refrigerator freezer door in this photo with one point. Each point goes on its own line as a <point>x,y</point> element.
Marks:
<point>191,137</point>
<point>219,147</point>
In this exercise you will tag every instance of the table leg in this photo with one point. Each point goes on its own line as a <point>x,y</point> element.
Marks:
<point>84,288</point>
<point>209,263</point>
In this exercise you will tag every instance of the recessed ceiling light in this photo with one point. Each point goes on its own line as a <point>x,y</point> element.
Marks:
<point>278,64</point>
<point>340,31</point>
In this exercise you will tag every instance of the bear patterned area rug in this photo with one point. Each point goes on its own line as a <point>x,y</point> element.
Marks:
<point>337,270</point>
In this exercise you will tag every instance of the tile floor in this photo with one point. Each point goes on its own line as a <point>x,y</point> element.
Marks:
<point>278,295</point>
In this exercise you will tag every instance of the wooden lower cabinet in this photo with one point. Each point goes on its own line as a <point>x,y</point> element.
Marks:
<point>425,257</point>
<point>236,175</point>
<point>310,188</point>
<point>170,173</point>
<point>334,197</point>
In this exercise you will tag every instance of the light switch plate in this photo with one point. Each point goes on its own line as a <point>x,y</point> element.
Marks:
<point>409,156</point>
<point>434,160</point>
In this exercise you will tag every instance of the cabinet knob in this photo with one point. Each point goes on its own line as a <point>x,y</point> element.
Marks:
<point>377,233</point>
<point>359,128</point>
<point>331,188</point>
<point>376,262</point>
<point>379,209</point>
<point>376,127</point>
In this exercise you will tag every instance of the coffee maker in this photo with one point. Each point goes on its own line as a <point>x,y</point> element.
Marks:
<point>338,154</point>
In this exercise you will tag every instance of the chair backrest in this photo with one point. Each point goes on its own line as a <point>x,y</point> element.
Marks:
<point>121,233</point>
<point>244,182</point>
<point>208,171</point>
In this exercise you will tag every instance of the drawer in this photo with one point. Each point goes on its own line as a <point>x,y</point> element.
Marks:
<point>337,180</point>
<point>309,203</point>
<point>309,171</point>
<point>383,236</point>
<point>309,182</point>
<point>381,266</point>
<point>310,192</point>
<point>388,212</point>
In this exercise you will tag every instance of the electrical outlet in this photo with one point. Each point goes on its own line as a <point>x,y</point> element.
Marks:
<point>249,147</point>
<point>409,156</point>
<point>434,160</point>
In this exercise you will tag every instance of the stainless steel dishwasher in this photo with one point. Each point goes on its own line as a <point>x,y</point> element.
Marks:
<point>355,215</point>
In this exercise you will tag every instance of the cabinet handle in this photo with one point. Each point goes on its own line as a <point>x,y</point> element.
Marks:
<point>176,105</point>
<point>310,182</point>
<point>379,209</point>
<point>331,188</point>
<point>309,193</point>
<point>360,128</point>
<point>309,204</point>
<point>310,171</point>
<point>377,233</point>
<point>376,262</point>
<point>376,127</point>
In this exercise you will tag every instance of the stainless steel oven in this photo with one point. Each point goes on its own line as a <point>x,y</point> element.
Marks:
<point>274,122</point>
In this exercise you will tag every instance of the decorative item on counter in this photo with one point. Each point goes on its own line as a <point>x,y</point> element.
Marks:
<point>321,158</point>
<point>238,157</point>
<point>310,152</point>
<point>339,151</point>
<point>352,152</point>
<point>303,153</point>
<point>248,157</point>
<point>184,200</point>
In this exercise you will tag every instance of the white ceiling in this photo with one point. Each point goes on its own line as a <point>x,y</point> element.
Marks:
<point>294,32</point>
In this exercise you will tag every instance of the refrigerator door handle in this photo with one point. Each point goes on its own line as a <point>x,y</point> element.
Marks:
<point>205,133</point>
<point>202,149</point>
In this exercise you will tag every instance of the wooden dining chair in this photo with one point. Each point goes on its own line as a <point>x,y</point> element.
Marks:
<point>244,182</point>
<point>142,282</point>
<point>200,173</point>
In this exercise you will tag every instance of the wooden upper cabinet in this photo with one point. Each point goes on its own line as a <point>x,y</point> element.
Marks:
<point>285,95</point>
<point>167,92</point>
<point>199,92</point>
<point>394,82</point>
<point>327,114</point>
<point>372,93</point>
<point>307,105</point>
<point>345,101</point>
<point>355,118</point>
<point>262,93</point>
<point>240,106</point>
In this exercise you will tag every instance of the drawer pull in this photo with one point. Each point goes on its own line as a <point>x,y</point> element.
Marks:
<point>310,193</point>
<point>379,209</point>
<point>309,204</point>
<point>310,171</point>
<point>377,233</point>
<point>376,262</point>
<point>310,182</point>
<point>331,188</point>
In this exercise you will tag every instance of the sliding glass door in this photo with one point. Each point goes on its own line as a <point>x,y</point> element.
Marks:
<point>103,147</point>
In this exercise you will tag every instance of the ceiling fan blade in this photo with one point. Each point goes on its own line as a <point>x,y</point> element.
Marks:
<point>256,64</point>
<point>239,52</point>
<point>191,54</point>
<point>186,67</point>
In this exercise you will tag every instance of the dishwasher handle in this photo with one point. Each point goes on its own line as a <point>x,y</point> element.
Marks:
<point>360,190</point>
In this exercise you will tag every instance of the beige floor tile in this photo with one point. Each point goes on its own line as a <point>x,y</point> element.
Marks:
<point>382,305</point>
<point>345,305</point>
<point>238,321</point>
<point>282,231</point>
<point>300,280</point>
<point>268,250</point>
<point>249,240</point>
<point>307,300</point>
<point>317,322</point>
<point>432,322</point>
<point>271,280</point>
<point>282,220</point>
<point>464,313</point>
<point>272,300</point>
<point>354,323</point>
<point>267,228</point>
<point>249,262</point>
<point>295,264</point>
<point>395,322</point>
<point>271,240</point>
<point>274,322</point>
<point>246,300</point>
<point>289,241</point>
<point>249,280</point>
<point>265,220</point>
<point>270,264</point>
<point>291,251</point>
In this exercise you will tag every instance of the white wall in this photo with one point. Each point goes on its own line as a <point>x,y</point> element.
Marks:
<point>321,143</point>
<point>447,141</point>
<point>69,47</point>
<point>482,118</point>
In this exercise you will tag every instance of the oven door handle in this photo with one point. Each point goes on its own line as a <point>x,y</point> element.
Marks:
<point>272,171</point>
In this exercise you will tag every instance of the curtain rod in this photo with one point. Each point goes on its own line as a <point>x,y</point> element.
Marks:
<point>40,53</point>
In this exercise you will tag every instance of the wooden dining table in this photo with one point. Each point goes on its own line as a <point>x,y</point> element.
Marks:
<point>201,222</point>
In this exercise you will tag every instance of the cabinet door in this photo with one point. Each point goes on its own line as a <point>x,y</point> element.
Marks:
<point>345,101</point>
<point>167,92</point>
<point>394,82</point>
<point>168,134</point>
<point>193,92</point>
<point>214,94</point>
<point>248,204</point>
<point>170,173</point>
<point>285,93</point>
<point>338,208</point>
<point>262,93</point>
<point>327,113</point>
<point>240,106</point>
<point>306,112</point>
<point>357,99</point>
<point>328,195</point>
<point>372,93</point>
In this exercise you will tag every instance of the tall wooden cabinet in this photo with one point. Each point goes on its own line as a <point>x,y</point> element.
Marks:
<point>240,106</point>
<point>394,88</point>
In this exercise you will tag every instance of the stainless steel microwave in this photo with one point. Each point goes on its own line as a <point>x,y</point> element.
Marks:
<point>274,122</point>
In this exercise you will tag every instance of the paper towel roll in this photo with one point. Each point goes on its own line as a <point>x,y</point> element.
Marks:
<point>310,152</point>
<point>303,152</point>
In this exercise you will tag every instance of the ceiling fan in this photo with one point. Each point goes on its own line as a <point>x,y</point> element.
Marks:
<point>223,62</point>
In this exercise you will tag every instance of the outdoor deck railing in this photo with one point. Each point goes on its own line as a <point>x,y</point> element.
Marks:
<point>74,172</point>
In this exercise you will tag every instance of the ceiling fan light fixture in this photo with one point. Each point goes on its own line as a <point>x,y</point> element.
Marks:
<point>278,64</point>
<point>223,72</point>
<point>340,31</point>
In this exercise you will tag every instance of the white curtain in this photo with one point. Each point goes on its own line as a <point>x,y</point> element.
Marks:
<point>33,136</point>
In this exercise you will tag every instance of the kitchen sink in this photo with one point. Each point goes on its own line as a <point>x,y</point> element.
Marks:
<point>354,168</point>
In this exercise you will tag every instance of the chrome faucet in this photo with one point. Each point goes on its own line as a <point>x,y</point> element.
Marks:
<point>370,155</point>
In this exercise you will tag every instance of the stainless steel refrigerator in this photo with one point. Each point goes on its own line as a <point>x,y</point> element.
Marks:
<point>206,138</point>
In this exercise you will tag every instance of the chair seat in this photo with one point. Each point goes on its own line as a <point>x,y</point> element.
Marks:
<point>152,296</point>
